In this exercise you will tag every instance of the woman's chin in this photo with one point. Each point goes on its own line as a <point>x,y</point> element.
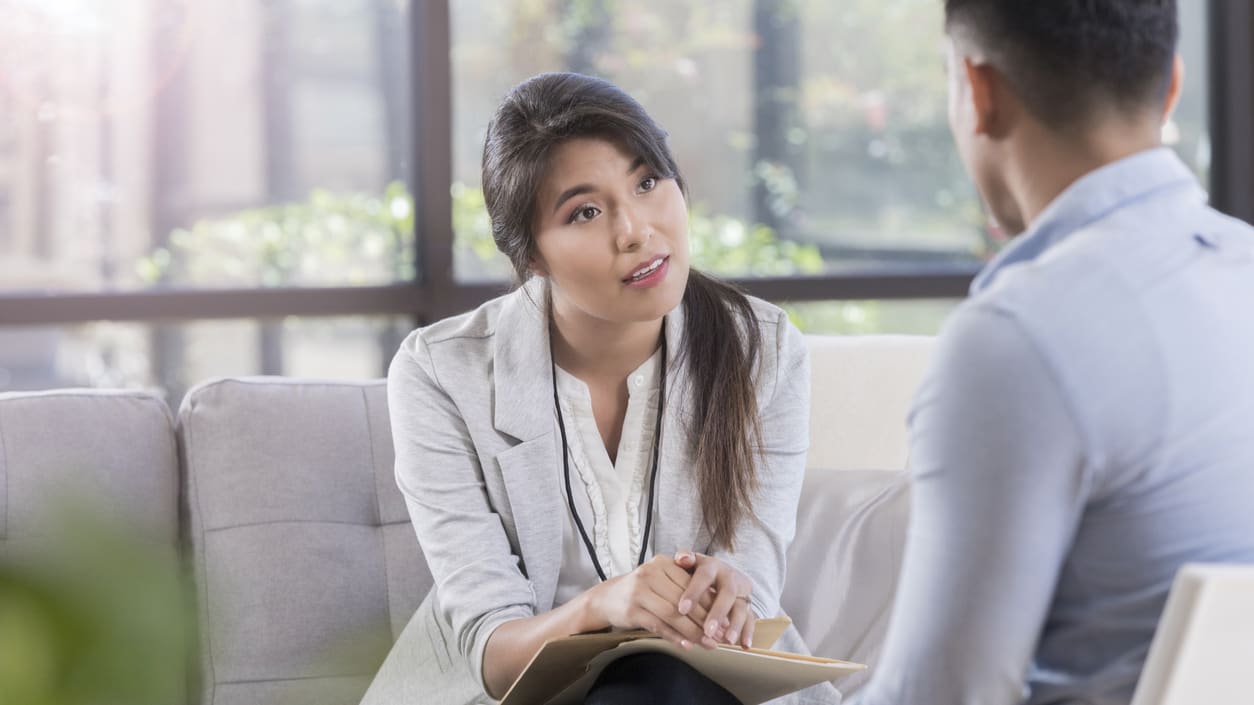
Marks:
<point>661,300</point>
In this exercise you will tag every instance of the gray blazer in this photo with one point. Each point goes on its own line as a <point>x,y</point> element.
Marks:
<point>470,401</point>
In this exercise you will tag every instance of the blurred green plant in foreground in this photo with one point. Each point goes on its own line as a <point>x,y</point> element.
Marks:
<point>93,614</point>
<point>356,239</point>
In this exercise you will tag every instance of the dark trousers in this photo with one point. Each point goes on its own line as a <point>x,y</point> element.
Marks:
<point>655,679</point>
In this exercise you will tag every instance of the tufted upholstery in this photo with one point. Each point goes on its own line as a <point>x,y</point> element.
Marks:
<point>111,453</point>
<point>306,565</point>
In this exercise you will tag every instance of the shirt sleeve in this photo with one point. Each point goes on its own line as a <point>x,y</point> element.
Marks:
<point>476,573</point>
<point>1000,483</point>
<point>762,546</point>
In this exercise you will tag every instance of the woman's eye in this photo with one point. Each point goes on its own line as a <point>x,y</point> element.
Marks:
<point>648,184</point>
<point>582,215</point>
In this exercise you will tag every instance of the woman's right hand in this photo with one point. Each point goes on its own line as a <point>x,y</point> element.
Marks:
<point>648,598</point>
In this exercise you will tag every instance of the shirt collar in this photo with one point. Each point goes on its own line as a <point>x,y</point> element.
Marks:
<point>1091,198</point>
<point>642,380</point>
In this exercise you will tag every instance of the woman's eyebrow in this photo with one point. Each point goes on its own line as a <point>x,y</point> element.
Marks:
<point>571,193</point>
<point>588,188</point>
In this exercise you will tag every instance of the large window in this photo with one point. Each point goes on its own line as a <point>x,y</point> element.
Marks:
<point>159,145</point>
<point>817,125</point>
<point>149,141</point>
<point>287,186</point>
<point>823,122</point>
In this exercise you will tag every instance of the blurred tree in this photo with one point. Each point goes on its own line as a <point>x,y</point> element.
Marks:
<point>825,121</point>
<point>908,317</point>
<point>349,240</point>
<point>588,30</point>
<point>328,240</point>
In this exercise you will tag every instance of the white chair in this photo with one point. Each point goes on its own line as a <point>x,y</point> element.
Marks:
<point>1203,651</point>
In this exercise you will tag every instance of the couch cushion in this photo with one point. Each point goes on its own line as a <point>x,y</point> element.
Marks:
<point>844,563</point>
<point>861,391</point>
<point>306,565</point>
<point>89,501</point>
<point>308,569</point>
<point>113,450</point>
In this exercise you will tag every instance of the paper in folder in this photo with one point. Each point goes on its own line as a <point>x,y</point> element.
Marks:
<point>563,670</point>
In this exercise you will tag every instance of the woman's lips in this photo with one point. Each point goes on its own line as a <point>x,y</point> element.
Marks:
<point>653,278</point>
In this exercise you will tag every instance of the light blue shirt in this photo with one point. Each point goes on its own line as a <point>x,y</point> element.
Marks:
<point>1087,426</point>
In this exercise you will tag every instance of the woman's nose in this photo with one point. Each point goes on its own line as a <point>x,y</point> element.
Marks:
<point>631,231</point>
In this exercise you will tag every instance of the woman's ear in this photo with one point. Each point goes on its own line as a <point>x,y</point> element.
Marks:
<point>537,268</point>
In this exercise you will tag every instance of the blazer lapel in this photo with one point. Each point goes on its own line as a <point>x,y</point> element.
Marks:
<point>521,368</point>
<point>531,480</point>
<point>523,401</point>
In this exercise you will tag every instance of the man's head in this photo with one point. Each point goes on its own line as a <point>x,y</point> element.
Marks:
<point>1074,72</point>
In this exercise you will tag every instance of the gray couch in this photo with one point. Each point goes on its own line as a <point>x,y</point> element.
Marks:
<point>279,494</point>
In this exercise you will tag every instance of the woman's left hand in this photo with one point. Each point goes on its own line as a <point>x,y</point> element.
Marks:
<point>729,619</point>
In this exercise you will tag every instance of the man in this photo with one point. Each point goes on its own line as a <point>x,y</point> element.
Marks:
<point>1088,422</point>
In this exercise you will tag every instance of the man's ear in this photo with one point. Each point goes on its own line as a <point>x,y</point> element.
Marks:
<point>1174,88</point>
<point>986,95</point>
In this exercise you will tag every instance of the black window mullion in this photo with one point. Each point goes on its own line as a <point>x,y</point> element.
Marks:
<point>1232,107</point>
<point>432,97</point>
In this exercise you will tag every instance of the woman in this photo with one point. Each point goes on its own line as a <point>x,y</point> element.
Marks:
<point>618,444</point>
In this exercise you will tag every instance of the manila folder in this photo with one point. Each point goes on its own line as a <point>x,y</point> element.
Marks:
<point>563,671</point>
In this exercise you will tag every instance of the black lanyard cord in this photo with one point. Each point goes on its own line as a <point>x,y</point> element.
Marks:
<point>657,444</point>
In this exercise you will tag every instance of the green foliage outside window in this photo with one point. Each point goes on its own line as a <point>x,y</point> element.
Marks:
<point>329,239</point>
<point>354,239</point>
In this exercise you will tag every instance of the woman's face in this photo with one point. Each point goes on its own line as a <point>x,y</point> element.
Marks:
<point>612,236</point>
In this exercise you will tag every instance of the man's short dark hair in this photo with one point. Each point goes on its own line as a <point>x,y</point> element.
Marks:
<point>1067,59</point>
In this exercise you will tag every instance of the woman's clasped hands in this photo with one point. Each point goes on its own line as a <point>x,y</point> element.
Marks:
<point>689,599</point>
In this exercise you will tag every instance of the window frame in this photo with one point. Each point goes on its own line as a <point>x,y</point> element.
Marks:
<point>435,293</point>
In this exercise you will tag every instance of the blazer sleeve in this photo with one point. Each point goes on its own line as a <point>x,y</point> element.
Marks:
<point>762,545</point>
<point>476,574</point>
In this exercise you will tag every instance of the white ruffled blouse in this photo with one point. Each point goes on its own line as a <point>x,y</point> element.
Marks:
<point>611,497</point>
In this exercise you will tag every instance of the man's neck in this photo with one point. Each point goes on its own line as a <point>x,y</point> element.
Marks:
<point>1046,164</point>
<point>595,349</point>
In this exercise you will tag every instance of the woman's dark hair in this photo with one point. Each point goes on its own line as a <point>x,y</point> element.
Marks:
<point>1067,59</point>
<point>721,334</point>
